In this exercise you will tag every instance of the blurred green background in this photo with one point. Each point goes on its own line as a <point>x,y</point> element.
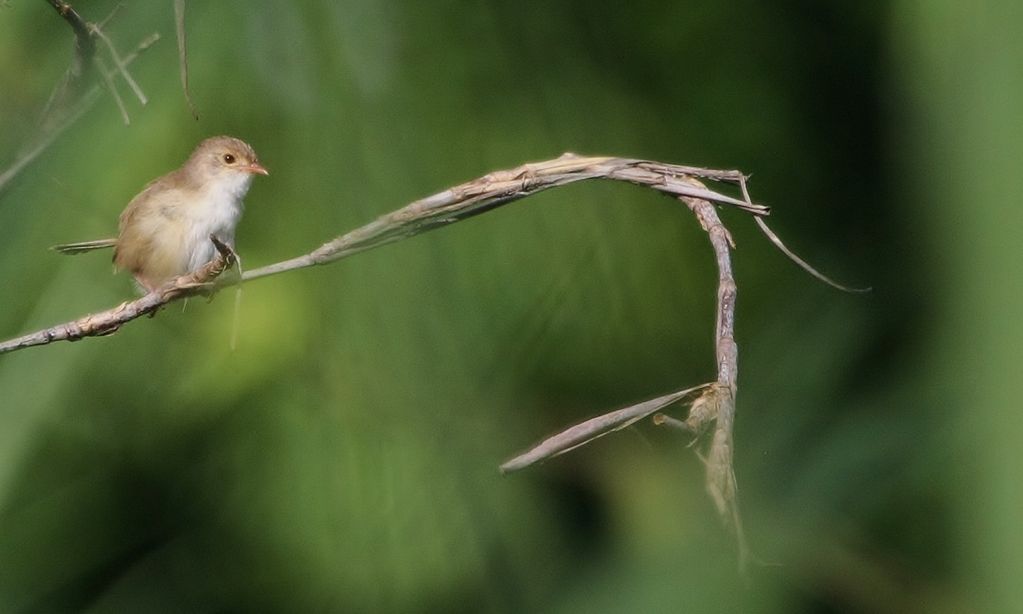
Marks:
<point>344,457</point>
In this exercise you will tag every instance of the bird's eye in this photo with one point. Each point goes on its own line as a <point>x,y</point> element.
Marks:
<point>228,159</point>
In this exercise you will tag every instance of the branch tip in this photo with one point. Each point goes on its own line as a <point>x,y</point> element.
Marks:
<point>776,240</point>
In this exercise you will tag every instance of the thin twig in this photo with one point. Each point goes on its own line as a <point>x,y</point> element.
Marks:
<point>119,63</point>
<point>23,161</point>
<point>103,23</point>
<point>84,104</point>
<point>56,116</point>
<point>179,22</point>
<point>108,80</point>
<point>776,240</point>
<point>802,263</point>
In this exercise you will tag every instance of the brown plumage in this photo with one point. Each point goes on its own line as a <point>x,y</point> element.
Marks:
<point>164,231</point>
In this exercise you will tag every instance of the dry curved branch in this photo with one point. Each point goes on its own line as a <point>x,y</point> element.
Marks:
<point>455,204</point>
<point>442,209</point>
<point>502,187</point>
<point>716,403</point>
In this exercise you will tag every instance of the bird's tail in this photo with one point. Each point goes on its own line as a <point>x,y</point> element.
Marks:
<point>71,249</point>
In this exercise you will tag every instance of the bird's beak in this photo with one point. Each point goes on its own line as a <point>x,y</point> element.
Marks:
<point>256,169</point>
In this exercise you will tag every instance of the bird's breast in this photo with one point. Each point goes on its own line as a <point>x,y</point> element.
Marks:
<point>215,212</point>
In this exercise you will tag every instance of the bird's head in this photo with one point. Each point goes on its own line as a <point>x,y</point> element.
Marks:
<point>226,162</point>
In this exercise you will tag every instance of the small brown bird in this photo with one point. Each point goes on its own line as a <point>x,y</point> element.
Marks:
<point>165,230</point>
